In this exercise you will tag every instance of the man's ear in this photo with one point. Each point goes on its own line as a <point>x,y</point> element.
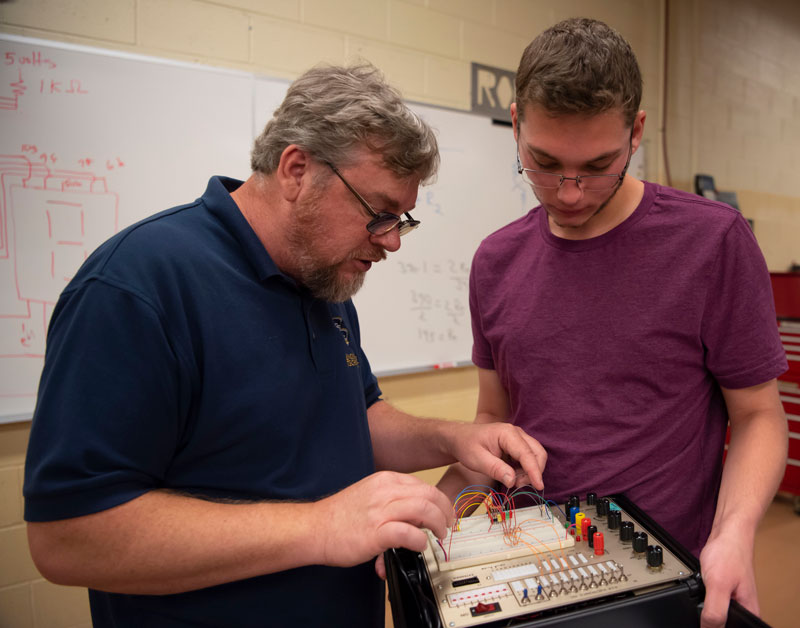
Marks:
<point>515,121</point>
<point>638,129</point>
<point>291,171</point>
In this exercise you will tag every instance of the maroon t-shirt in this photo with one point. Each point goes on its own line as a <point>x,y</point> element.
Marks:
<point>613,349</point>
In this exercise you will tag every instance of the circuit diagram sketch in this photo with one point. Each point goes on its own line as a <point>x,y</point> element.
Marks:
<point>50,221</point>
<point>56,205</point>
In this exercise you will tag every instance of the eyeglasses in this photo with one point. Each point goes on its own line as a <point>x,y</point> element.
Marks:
<point>586,182</point>
<point>382,222</point>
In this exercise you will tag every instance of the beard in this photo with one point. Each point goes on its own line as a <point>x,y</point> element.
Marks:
<point>323,279</point>
<point>325,282</point>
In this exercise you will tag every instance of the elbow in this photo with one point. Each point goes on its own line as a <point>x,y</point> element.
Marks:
<point>48,549</point>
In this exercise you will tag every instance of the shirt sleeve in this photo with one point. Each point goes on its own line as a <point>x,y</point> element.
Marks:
<point>106,424</point>
<point>481,349</point>
<point>739,328</point>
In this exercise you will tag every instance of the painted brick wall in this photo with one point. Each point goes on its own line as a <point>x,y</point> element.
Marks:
<point>734,110</point>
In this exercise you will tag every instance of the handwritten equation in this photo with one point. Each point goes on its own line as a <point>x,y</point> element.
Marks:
<point>455,271</point>
<point>37,72</point>
<point>438,306</point>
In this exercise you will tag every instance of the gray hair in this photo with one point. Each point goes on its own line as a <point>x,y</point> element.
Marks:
<point>579,65</point>
<point>333,111</point>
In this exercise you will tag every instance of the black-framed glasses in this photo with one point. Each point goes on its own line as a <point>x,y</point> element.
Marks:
<point>382,222</point>
<point>543,180</point>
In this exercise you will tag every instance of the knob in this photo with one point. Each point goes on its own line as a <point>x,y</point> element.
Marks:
<point>591,499</point>
<point>655,556</point>
<point>579,525</point>
<point>585,523</point>
<point>614,519</point>
<point>626,531</point>
<point>590,535</point>
<point>599,543</point>
<point>602,507</point>
<point>640,542</point>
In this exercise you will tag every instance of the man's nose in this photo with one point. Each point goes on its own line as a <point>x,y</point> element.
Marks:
<point>569,192</point>
<point>389,240</point>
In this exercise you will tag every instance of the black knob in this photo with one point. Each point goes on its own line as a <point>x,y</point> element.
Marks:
<point>626,531</point>
<point>655,556</point>
<point>640,542</point>
<point>602,507</point>
<point>591,499</point>
<point>590,530</point>
<point>614,519</point>
<point>574,500</point>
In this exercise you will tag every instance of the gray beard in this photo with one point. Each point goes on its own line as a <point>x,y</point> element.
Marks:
<point>322,281</point>
<point>325,283</point>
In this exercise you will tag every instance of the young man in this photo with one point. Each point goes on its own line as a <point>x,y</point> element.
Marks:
<point>207,433</point>
<point>623,324</point>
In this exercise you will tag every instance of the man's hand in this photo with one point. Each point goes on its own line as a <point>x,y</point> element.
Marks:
<point>727,574</point>
<point>383,510</point>
<point>486,447</point>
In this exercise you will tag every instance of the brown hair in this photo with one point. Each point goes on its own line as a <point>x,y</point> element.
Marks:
<point>579,65</point>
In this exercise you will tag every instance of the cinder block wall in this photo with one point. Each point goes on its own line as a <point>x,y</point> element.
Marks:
<point>733,110</point>
<point>425,47</point>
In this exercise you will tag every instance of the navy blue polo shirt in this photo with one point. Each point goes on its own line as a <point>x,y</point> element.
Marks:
<point>181,357</point>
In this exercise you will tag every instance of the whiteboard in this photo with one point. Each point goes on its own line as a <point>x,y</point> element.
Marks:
<point>91,142</point>
<point>94,140</point>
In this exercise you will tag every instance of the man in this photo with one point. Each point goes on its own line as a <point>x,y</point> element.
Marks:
<point>207,431</point>
<point>622,323</point>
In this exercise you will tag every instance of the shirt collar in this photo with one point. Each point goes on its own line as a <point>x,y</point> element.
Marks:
<point>217,198</point>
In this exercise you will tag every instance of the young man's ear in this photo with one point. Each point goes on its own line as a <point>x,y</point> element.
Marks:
<point>638,130</point>
<point>514,121</point>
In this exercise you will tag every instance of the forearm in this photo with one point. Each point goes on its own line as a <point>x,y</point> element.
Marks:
<point>755,461</point>
<point>165,543</point>
<point>753,468</point>
<point>754,465</point>
<point>405,443</point>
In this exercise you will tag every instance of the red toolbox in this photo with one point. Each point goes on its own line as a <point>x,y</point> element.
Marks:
<point>786,288</point>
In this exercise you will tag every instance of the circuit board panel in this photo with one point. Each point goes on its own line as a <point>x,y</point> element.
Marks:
<point>490,569</point>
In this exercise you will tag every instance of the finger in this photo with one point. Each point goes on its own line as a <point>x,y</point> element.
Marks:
<point>445,504</point>
<point>522,479</point>
<point>421,513</point>
<point>401,534</point>
<point>380,566</point>
<point>528,452</point>
<point>747,596</point>
<point>404,486</point>
<point>537,448</point>
<point>494,467</point>
<point>715,608</point>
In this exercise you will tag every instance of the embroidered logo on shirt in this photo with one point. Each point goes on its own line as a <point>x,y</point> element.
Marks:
<point>350,358</point>
<point>339,324</point>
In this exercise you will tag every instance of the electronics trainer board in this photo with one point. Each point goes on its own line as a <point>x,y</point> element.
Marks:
<point>542,566</point>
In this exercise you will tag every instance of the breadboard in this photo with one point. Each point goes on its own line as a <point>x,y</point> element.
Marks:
<point>478,540</point>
